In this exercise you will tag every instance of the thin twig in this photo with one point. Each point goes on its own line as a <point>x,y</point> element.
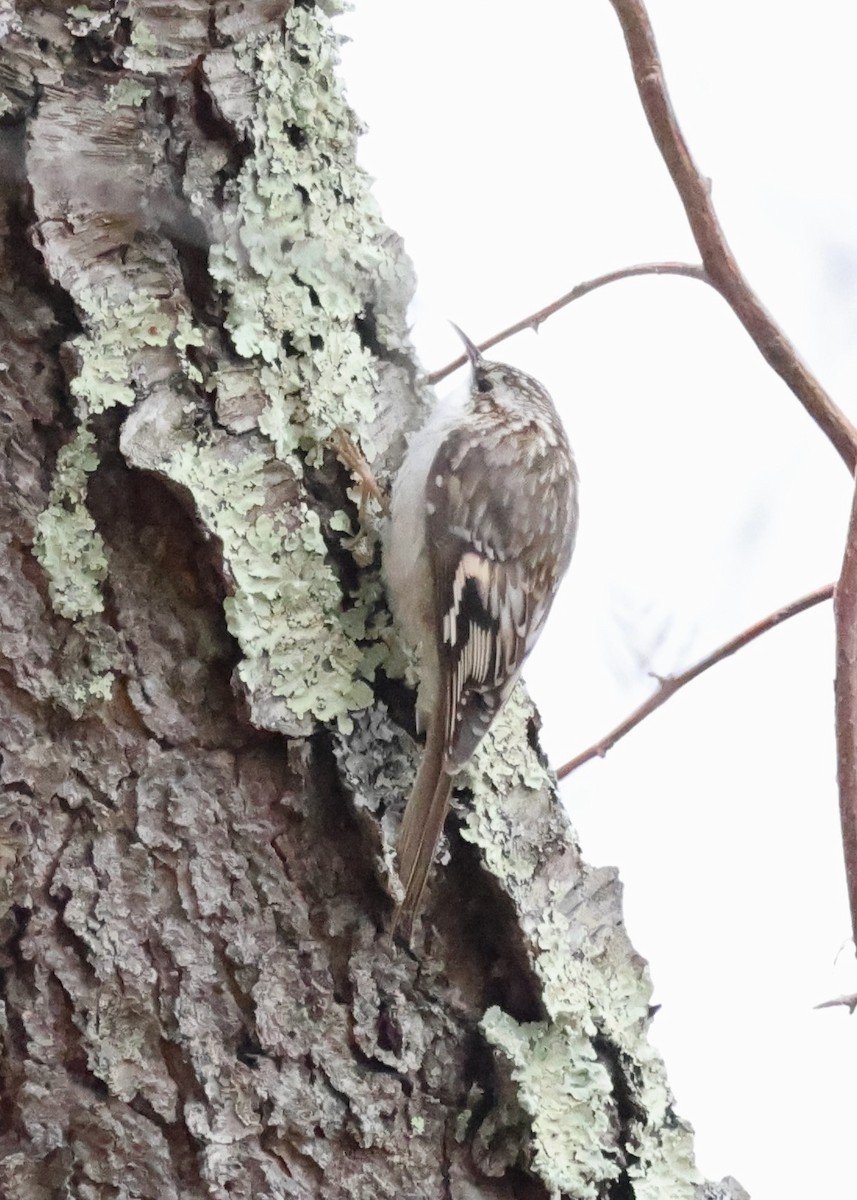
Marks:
<point>845,692</point>
<point>351,456</point>
<point>534,320</point>
<point>673,683</point>
<point>849,1002</point>
<point>720,266</point>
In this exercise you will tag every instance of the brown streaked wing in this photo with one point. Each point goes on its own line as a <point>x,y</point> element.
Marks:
<point>490,603</point>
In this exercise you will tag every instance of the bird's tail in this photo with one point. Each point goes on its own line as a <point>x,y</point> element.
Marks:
<point>422,824</point>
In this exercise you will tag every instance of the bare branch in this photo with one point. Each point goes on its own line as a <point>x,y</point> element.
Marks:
<point>849,1002</point>
<point>845,611</point>
<point>534,320</point>
<point>673,683</point>
<point>720,266</point>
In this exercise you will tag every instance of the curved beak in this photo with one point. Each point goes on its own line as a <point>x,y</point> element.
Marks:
<point>473,352</point>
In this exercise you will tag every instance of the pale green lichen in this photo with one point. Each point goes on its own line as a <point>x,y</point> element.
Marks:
<point>285,609</point>
<point>67,544</point>
<point>299,262</point>
<point>566,1093</point>
<point>340,522</point>
<point>505,757</point>
<point>143,39</point>
<point>115,333</point>
<point>668,1171</point>
<point>127,93</point>
<point>302,260</point>
<point>87,673</point>
<point>82,20</point>
<point>591,986</point>
<point>306,245</point>
<point>603,985</point>
<point>502,760</point>
<point>187,335</point>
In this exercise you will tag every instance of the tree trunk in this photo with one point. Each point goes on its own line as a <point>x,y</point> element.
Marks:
<point>202,699</point>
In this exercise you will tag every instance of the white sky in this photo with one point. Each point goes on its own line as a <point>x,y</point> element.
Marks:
<point>511,152</point>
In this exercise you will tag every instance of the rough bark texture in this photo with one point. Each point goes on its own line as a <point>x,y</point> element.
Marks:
<point>201,776</point>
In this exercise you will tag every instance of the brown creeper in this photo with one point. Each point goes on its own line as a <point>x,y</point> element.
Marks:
<point>482,526</point>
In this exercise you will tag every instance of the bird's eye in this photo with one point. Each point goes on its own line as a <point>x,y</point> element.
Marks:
<point>483,384</point>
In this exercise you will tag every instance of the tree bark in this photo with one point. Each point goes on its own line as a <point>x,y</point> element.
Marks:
<point>203,705</point>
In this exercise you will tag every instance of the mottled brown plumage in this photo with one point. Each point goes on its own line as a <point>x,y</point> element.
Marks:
<point>484,515</point>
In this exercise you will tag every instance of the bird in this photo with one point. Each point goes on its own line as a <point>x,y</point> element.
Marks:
<point>483,521</point>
